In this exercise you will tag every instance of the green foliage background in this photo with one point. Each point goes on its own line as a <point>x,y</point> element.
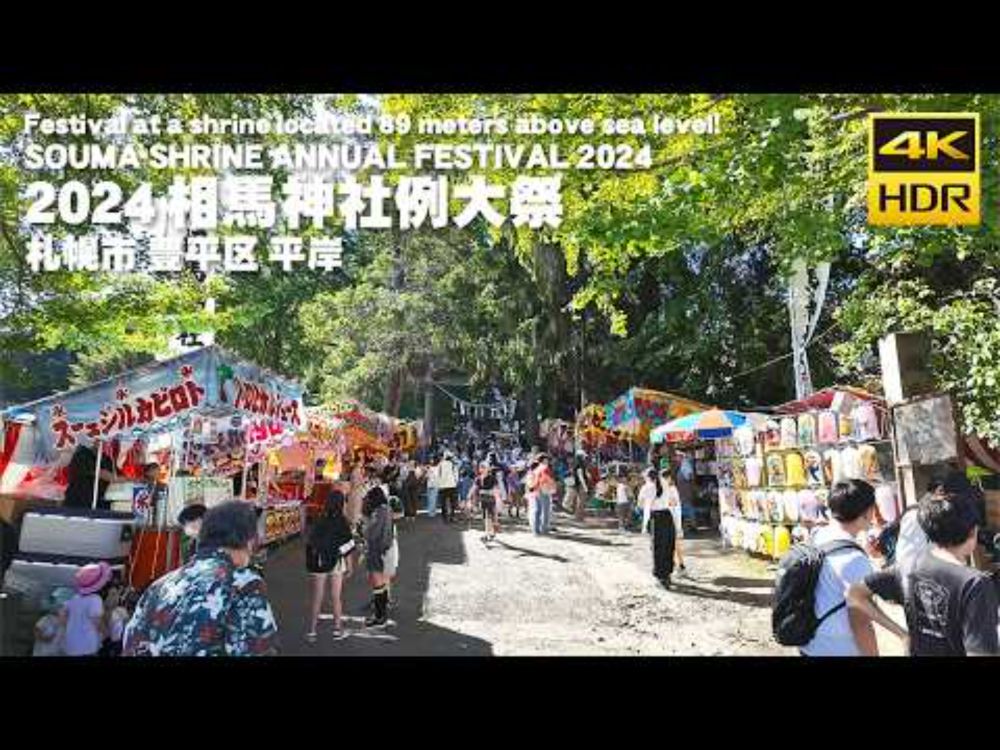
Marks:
<point>671,277</point>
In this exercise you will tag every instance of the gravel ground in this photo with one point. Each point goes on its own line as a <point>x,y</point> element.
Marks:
<point>586,589</point>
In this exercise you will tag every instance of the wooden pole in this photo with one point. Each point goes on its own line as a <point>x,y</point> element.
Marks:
<point>171,471</point>
<point>243,484</point>
<point>97,474</point>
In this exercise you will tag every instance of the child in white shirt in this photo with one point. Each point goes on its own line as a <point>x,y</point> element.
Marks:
<point>50,635</point>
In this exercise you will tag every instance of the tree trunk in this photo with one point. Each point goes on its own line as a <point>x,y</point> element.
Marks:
<point>429,409</point>
<point>583,361</point>
<point>529,397</point>
<point>393,395</point>
<point>531,390</point>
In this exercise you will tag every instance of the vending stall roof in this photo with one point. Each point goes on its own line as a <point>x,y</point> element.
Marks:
<point>159,397</point>
<point>823,399</point>
<point>639,410</point>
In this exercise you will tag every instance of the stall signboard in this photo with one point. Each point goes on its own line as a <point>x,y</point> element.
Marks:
<point>135,402</point>
<point>159,397</point>
<point>350,413</point>
<point>253,391</point>
<point>926,433</point>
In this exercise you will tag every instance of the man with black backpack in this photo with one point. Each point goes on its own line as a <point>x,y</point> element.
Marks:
<point>810,608</point>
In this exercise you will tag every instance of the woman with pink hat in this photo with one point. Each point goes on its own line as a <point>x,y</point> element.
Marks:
<point>83,615</point>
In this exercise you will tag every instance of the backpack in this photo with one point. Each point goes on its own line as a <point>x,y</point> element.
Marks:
<point>793,611</point>
<point>889,537</point>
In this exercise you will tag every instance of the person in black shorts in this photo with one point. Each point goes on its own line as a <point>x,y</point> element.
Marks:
<point>328,546</point>
<point>381,553</point>
<point>487,489</point>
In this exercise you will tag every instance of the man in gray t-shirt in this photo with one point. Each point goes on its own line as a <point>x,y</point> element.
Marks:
<point>951,609</point>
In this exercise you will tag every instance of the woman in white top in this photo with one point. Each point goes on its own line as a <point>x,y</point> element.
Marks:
<point>433,485</point>
<point>674,503</point>
<point>623,502</point>
<point>654,500</point>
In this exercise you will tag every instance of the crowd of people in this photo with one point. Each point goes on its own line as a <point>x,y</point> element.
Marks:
<point>216,603</point>
<point>950,607</point>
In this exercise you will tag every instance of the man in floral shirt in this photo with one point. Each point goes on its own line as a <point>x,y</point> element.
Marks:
<point>214,605</point>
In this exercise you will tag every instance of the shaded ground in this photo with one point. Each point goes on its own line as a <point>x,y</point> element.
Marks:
<point>424,546</point>
<point>585,590</point>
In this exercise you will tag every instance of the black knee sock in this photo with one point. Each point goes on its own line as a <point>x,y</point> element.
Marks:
<point>380,600</point>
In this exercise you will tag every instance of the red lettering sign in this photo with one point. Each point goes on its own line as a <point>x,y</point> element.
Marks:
<point>161,404</point>
<point>64,438</point>
<point>179,398</point>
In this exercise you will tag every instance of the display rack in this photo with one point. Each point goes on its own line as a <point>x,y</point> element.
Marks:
<point>282,521</point>
<point>775,478</point>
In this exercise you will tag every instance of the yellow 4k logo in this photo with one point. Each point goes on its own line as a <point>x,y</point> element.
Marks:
<point>923,169</point>
<point>914,148</point>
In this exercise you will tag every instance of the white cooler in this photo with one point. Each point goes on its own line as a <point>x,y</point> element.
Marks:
<point>94,535</point>
<point>48,571</point>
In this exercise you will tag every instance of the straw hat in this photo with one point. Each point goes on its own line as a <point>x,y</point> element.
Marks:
<point>92,578</point>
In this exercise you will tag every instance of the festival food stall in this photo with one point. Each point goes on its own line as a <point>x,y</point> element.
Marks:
<point>339,436</point>
<point>694,454</point>
<point>366,434</point>
<point>590,431</point>
<point>306,467</point>
<point>203,416</point>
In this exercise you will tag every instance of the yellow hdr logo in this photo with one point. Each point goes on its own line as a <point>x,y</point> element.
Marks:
<point>923,169</point>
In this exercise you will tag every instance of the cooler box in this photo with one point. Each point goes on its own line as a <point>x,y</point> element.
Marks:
<point>48,571</point>
<point>13,507</point>
<point>154,554</point>
<point>99,535</point>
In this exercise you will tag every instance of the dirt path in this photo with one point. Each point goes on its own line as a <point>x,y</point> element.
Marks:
<point>584,590</point>
<point>587,590</point>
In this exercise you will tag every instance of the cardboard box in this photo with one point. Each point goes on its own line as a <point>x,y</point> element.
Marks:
<point>13,507</point>
<point>993,509</point>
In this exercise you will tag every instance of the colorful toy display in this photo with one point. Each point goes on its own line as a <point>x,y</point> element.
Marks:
<point>782,475</point>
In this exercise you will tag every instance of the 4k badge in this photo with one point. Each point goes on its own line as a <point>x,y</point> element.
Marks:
<point>923,169</point>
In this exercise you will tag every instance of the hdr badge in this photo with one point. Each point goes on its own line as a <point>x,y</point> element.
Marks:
<point>923,169</point>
